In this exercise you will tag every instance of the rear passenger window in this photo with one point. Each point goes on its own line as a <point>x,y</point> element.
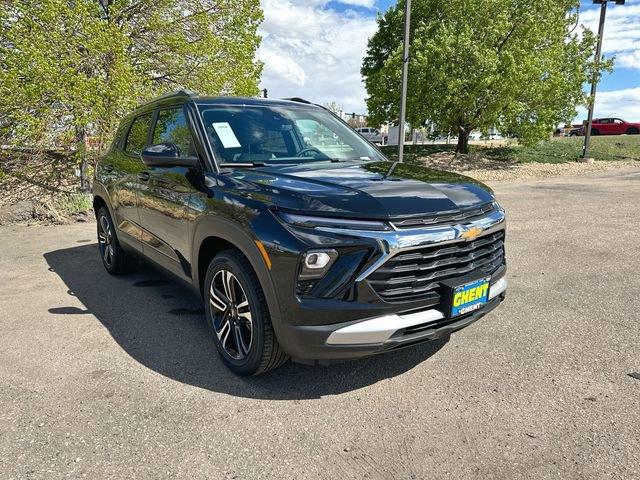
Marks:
<point>171,127</point>
<point>137,138</point>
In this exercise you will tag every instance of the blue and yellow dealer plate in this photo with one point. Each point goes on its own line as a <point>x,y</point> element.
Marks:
<point>470,297</point>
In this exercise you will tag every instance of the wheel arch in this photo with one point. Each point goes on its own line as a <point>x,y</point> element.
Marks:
<point>101,199</point>
<point>213,235</point>
<point>98,203</point>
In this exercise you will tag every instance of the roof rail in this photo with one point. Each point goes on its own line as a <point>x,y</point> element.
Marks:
<point>299,100</point>
<point>183,92</point>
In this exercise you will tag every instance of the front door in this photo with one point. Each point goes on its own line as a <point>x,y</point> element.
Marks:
<point>163,205</point>
<point>619,127</point>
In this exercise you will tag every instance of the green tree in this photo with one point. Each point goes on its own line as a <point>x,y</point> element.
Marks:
<point>517,65</point>
<point>69,69</point>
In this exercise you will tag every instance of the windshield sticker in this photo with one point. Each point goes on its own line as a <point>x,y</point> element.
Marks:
<point>366,159</point>
<point>226,135</point>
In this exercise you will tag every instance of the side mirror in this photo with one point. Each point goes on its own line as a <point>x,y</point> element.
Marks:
<point>166,155</point>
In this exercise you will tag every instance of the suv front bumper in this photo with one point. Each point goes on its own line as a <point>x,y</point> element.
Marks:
<point>323,344</point>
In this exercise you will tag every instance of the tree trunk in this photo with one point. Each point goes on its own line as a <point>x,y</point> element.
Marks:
<point>463,140</point>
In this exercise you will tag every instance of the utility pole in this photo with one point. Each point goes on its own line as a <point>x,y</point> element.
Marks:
<point>594,80</point>
<point>405,79</point>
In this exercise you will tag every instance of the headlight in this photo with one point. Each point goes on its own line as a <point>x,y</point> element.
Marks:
<point>316,263</point>
<point>336,223</point>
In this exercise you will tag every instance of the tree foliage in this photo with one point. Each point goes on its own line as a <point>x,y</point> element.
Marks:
<point>518,65</point>
<point>73,68</point>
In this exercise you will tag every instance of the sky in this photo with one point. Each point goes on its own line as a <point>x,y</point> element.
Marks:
<point>314,48</point>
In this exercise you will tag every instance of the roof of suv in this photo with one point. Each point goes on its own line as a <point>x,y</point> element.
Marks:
<point>188,95</point>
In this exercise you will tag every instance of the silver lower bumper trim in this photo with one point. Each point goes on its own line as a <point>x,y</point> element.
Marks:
<point>381,329</point>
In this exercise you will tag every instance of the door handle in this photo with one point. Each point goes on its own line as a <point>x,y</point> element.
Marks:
<point>144,176</point>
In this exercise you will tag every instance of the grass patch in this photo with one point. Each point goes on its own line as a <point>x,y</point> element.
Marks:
<point>557,150</point>
<point>72,203</point>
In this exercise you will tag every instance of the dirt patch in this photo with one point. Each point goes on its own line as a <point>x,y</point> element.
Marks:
<point>40,188</point>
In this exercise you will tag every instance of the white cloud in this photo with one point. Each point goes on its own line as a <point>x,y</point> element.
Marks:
<point>622,40</point>
<point>621,33</point>
<point>617,103</point>
<point>314,52</point>
<point>360,3</point>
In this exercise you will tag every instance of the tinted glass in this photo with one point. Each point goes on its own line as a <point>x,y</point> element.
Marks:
<point>137,138</point>
<point>171,127</point>
<point>277,134</point>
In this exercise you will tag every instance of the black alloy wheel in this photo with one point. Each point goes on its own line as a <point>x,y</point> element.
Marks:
<point>114,258</point>
<point>105,241</point>
<point>232,321</point>
<point>238,316</point>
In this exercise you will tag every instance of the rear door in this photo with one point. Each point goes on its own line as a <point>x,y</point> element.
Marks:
<point>605,126</point>
<point>163,204</point>
<point>123,167</point>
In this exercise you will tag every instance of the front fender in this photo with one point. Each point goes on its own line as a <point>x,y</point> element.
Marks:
<point>210,226</point>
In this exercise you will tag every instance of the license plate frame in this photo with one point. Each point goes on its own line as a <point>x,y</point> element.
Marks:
<point>478,296</point>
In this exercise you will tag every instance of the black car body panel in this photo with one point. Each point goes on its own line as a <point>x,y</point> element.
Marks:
<point>361,191</point>
<point>179,217</point>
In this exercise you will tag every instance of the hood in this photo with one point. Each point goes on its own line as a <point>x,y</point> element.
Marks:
<point>373,190</point>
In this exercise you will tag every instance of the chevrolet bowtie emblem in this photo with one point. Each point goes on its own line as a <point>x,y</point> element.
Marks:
<point>471,234</point>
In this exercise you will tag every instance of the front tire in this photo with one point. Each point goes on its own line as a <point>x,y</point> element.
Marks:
<point>114,258</point>
<point>633,131</point>
<point>238,316</point>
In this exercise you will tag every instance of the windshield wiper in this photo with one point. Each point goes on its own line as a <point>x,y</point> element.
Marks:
<point>242,165</point>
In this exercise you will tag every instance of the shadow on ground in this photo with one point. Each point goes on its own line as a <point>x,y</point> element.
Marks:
<point>161,324</point>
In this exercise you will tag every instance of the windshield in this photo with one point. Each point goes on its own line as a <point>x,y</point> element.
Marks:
<point>277,134</point>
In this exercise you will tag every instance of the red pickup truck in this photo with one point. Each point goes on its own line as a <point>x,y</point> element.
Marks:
<point>613,126</point>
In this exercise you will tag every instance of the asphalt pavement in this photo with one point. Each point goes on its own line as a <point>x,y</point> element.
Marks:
<point>105,377</point>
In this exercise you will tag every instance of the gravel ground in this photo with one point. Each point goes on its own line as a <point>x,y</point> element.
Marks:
<point>105,377</point>
<point>529,171</point>
<point>487,170</point>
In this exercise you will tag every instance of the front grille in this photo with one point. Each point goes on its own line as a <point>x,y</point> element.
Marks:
<point>416,275</point>
<point>465,215</point>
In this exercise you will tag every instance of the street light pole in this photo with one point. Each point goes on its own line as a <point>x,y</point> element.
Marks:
<point>594,80</point>
<point>405,79</point>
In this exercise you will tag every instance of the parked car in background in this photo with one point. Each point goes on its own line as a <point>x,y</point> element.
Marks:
<point>613,126</point>
<point>574,131</point>
<point>371,134</point>
<point>298,247</point>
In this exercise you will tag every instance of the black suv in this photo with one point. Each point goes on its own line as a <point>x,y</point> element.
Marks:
<point>303,240</point>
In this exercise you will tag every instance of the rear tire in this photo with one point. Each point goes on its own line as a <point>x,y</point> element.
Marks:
<point>238,316</point>
<point>114,258</point>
